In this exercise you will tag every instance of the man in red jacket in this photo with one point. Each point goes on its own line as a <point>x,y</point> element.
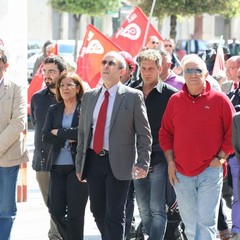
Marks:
<point>196,138</point>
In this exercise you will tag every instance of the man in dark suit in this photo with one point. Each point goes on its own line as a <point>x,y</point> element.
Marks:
<point>234,48</point>
<point>125,150</point>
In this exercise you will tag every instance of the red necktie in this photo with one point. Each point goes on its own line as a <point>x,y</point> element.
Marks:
<point>99,130</point>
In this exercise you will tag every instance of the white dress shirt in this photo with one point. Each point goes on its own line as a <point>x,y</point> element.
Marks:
<point>111,99</point>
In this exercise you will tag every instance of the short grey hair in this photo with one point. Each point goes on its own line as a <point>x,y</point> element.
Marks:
<point>118,57</point>
<point>194,58</point>
<point>151,55</point>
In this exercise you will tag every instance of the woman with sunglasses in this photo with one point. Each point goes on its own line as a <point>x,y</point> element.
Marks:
<point>67,196</point>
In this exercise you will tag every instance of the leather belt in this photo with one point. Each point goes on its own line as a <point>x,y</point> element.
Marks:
<point>103,153</point>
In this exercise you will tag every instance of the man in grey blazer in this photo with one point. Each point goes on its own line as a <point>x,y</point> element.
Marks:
<point>126,146</point>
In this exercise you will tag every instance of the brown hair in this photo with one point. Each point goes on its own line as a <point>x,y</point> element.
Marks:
<point>76,79</point>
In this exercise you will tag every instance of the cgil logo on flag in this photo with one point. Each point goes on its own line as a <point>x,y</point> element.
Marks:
<point>131,31</point>
<point>93,46</point>
<point>130,35</point>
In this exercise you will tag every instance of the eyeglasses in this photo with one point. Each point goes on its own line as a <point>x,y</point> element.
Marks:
<point>231,68</point>
<point>109,63</point>
<point>68,85</point>
<point>167,45</point>
<point>153,42</point>
<point>190,71</point>
<point>51,71</point>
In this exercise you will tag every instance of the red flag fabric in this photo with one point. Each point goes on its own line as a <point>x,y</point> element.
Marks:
<point>130,35</point>
<point>35,85</point>
<point>95,46</point>
<point>219,64</point>
<point>53,50</point>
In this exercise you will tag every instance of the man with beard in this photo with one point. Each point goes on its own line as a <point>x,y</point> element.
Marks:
<point>52,68</point>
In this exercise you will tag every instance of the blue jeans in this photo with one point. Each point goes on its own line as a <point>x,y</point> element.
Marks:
<point>236,201</point>
<point>8,209</point>
<point>151,200</point>
<point>198,200</point>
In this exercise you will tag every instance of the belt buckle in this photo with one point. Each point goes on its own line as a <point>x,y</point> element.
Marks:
<point>102,153</point>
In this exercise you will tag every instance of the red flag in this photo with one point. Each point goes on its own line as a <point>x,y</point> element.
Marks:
<point>130,35</point>
<point>219,64</point>
<point>36,84</point>
<point>53,49</point>
<point>95,46</point>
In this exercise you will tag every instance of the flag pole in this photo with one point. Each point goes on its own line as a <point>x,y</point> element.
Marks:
<point>148,23</point>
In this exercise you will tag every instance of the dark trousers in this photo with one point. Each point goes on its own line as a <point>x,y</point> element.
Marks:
<point>107,197</point>
<point>67,201</point>
<point>222,218</point>
<point>130,209</point>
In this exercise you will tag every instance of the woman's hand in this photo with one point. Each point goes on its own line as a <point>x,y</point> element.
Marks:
<point>54,132</point>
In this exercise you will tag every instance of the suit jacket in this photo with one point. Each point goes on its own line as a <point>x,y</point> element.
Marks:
<point>129,137</point>
<point>234,50</point>
<point>227,86</point>
<point>54,121</point>
<point>236,142</point>
<point>40,103</point>
<point>13,121</point>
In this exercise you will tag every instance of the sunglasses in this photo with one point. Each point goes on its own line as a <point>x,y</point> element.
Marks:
<point>153,42</point>
<point>190,71</point>
<point>167,45</point>
<point>3,59</point>
<point>109,63</point>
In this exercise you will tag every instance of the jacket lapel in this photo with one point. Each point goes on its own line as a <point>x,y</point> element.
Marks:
<point>3,88</point>
<point>76,115</point>
<point>119,97</point>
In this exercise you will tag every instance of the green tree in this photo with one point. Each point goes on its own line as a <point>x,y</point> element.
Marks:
<point>179,8</point>
<point>80,7</point>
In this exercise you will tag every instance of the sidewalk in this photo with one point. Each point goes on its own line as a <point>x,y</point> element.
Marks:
<point>32,221</point>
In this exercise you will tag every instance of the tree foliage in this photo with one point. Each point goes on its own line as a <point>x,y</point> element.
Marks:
<point>191,7</point>
<point>88,7</point>
<point>80,7</point>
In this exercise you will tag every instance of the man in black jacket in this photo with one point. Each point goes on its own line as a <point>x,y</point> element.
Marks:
<point>40,102</point>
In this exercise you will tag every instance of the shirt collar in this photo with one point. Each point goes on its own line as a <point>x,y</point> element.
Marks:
<point>158,87</point>
<point>111,90</point>
<point>205,91</point>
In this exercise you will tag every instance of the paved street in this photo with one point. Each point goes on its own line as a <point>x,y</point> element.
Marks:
<point>32,222</point>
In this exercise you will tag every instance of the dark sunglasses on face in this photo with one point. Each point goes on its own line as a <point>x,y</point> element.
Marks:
<point>153,42</point>
<point>167,45</point>
<point>196,71</point>
<point>109,63</point>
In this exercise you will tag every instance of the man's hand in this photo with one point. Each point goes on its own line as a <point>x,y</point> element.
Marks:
<point>216,162</point>
<point>172,173</point>
<point>79,178</point>
<point>138,173</point>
